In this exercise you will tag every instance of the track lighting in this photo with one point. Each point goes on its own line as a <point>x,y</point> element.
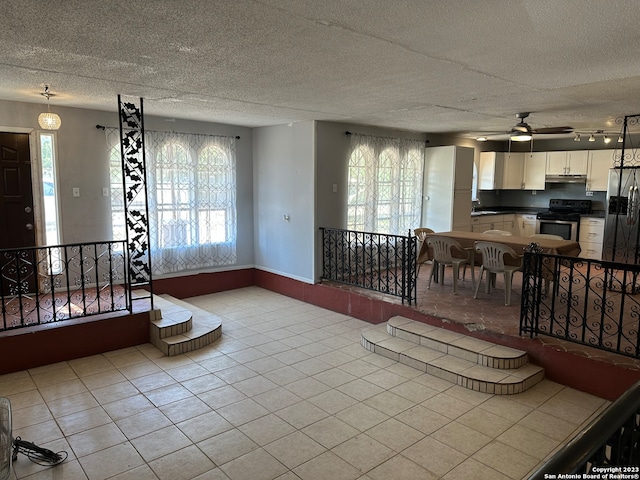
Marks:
<point>576,138</point>
<point>592,138</point>
<point>620,139</point>
<point>606,139</point>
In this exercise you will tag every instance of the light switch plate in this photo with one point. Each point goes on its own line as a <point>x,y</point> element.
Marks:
<point>76,192</point>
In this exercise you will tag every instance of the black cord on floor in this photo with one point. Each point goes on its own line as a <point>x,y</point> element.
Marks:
<point>38,455</point>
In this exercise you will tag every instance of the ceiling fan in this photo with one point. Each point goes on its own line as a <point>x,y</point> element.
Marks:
<point>522,131</point>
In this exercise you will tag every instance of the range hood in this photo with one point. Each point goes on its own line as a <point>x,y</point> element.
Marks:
<point>565,179</point>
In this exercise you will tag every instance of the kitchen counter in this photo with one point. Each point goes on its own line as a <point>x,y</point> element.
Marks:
<point>515,211</point>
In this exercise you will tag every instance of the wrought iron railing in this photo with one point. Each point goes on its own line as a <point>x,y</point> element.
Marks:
<point>609,447</point>
<point>591,302</point>
<point>375,261</point>
<point>48,284</point>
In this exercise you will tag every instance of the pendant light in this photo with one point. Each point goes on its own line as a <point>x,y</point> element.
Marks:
<point>48,120</point>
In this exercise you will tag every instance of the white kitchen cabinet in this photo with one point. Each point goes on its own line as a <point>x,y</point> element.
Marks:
<point>573,162</point>
<point>526,224</point>
<point>591,237</point>
<point>483,223</point>
<point>535,165</point>
<point>490,170</point>
<point>447,188</point>
<point>513,171</point>
<point>600,161</point>
<point>509,223</point>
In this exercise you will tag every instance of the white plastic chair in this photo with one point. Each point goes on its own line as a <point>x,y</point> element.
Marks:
<point>498,232</point>
<point>443,248</point>
<point>423,251</point>
<point>493,263</point>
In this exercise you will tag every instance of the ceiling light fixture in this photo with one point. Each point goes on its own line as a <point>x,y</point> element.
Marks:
<point>481,139</point>
<point>620,139</point>
<point>520,136</point>
<point>48,120</point>
<point>592,138</point>
<point>576,138</point>
<point>606,139</point>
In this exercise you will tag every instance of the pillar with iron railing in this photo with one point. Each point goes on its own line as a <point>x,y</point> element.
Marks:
<point>136,205</point>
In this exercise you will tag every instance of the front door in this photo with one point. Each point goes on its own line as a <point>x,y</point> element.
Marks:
<point>17,228</point>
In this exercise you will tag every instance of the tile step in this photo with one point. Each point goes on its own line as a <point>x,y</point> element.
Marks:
<point>452,368</point>
<point>456,344</point>
<point>180,327</point>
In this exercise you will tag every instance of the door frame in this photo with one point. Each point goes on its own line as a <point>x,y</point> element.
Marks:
<point>36,179</point>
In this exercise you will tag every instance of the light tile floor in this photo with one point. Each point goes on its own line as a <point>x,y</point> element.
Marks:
<point>288,393</point>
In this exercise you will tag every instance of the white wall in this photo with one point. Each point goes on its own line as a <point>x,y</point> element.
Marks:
<point>82,163</point>
<point>284,184</point>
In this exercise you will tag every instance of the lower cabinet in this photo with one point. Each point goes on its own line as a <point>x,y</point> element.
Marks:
<point>509,223</point>
<point>526,225</point>
<point>591,237</point>
<point>487,222</point>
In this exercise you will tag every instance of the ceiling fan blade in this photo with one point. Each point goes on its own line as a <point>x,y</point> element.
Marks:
<point>552,130</point>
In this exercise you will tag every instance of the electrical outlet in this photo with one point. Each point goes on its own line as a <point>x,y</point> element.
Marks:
<point>76,192</point>
<point>105,191</point>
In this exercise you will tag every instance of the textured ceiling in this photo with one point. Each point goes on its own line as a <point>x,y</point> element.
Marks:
<point>462,66</point>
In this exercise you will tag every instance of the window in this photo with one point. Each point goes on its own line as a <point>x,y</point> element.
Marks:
<point>385,185</point>
<point>191,187</point>
<point>49,188</point>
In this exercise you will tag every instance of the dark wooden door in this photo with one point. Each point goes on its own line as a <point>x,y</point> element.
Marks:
<point>17,228</point>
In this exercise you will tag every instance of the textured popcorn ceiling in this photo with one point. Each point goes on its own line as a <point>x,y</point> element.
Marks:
<point>431,66</point>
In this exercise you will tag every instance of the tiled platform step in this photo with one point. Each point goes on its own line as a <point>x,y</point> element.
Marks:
<point>466,361</point>
<point>178,327</point>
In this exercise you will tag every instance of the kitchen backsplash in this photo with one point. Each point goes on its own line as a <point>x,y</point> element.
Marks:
<point>524,198</point>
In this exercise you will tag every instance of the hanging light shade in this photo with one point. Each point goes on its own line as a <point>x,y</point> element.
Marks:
<point>520,136</point>
<point>48,120</point>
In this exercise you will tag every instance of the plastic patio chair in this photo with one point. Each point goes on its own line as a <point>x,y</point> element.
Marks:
<point>493,263</point>
<point>444,249</point>
<point>423,251</point>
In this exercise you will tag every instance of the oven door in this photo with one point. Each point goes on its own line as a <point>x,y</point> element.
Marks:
<point>567,229</point>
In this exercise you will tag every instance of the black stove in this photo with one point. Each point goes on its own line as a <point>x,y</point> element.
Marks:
<point>563,209</point>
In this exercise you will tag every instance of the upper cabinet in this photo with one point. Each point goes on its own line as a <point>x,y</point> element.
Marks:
<point>490,170</point>
<point>513,171</point>
<point>528,171</point>
<point>535,164</point>
<point>600,161</point>
<point>573,162</point>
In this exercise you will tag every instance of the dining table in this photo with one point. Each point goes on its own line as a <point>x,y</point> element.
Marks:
<point>467,241</point>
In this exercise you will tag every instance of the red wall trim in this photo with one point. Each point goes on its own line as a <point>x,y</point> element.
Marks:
<point>52,343</point>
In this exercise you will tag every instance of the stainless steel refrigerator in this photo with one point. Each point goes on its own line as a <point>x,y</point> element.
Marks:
<point>622,221</point>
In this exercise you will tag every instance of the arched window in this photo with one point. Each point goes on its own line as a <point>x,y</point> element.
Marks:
<point>191,189</point>
<point>385,184</point>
